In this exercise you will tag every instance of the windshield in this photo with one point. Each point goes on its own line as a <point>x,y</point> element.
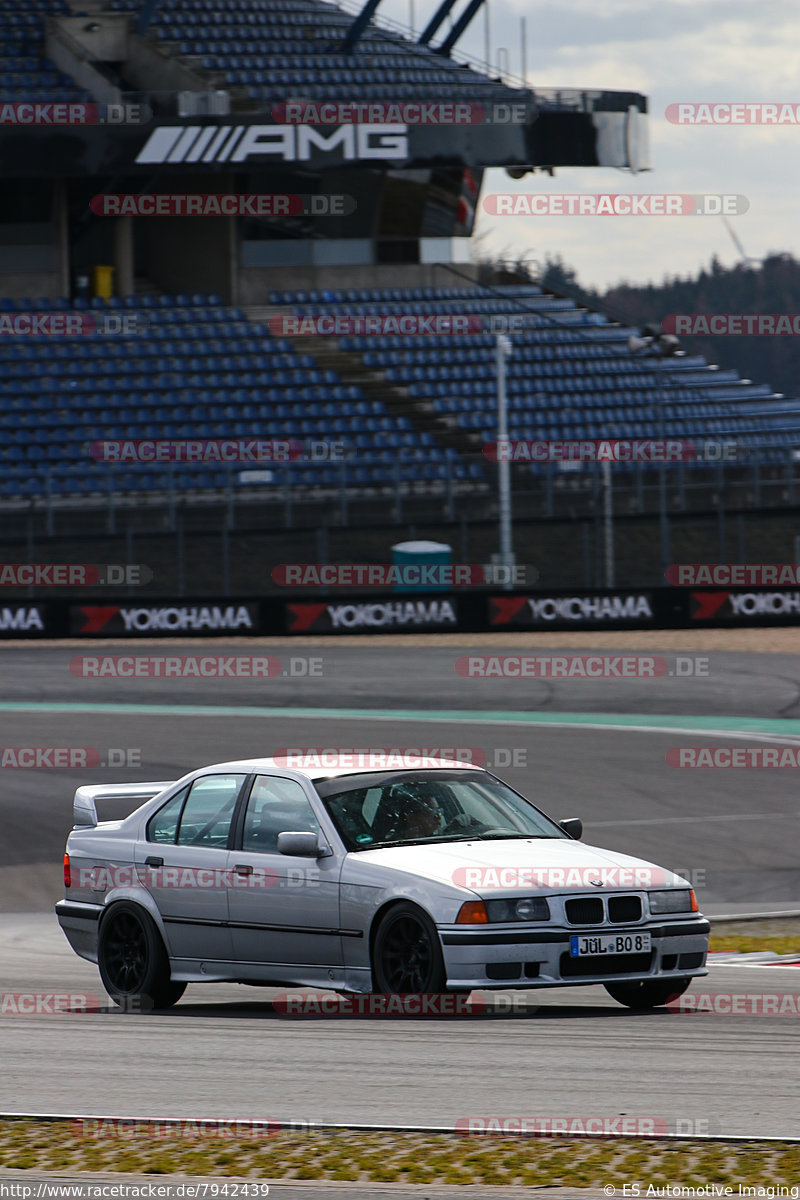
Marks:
<point>429,806</point>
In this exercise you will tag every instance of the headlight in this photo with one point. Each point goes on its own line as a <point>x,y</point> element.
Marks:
<point>673,901</point>
<point>528,908</point>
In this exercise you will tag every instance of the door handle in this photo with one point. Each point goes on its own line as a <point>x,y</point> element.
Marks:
<point>153,861</point>
<point>243,869</point>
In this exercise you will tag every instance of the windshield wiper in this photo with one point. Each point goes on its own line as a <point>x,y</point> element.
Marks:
<point>510,837</point>
<point>472,837</point>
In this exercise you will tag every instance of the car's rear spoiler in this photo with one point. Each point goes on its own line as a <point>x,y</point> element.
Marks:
<point>84,806</point>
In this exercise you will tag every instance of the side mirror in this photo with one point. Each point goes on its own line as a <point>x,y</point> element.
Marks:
<point>300,845</point>
<point>573,826</point>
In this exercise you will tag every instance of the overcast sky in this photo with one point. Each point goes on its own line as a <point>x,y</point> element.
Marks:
<point>676,50</point>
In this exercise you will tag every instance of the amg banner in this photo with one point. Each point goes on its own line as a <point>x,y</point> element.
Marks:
<point>180,146</point>
<point>165,619</point>
<point>570,127</point>
<point>373,616</point>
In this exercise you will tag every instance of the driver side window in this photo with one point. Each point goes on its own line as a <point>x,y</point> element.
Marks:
<point>276,806</point>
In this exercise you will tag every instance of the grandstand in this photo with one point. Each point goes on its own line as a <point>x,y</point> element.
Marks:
<point>412,411</point>
<point>25,71</point>
<point>205,371</point>
<point>266,50</point>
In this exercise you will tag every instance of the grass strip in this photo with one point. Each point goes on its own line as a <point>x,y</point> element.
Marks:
<point>64,1146</point>
<point>749,944</point>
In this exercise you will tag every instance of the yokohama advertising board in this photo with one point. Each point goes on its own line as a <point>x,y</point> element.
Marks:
<point>573,610</point>
<point>153,618</point>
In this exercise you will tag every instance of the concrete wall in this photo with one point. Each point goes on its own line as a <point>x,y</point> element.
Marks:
<point>152,70</point>
<point>32,284</point>
<point>73,50</point>
<point>34,257</point>
<point>107,43</point>
<point>192,254</point>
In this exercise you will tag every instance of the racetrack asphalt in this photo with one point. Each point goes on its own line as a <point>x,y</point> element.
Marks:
<point>734,831</point>
<point>224,1051</point>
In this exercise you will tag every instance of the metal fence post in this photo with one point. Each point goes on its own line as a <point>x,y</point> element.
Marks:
<point>229,498</point>
<point>181,556</point>
<point>49,503</point>
<point>398,502</point>
<point>112,508</point>
<point>343,508</point>
<point>287,488</point>
<point>31,547</point>
<point>129,555</point>
<point>226,562</point>
<point>789,477</point>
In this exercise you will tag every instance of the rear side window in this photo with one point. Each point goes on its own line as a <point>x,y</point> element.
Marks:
<point>208,811</point>
<point>163,827</point>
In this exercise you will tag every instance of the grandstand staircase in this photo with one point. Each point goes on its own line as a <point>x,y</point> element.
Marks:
<point>351,369</point>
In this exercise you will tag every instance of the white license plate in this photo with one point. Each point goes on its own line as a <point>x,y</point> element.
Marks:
<point>581,945</point>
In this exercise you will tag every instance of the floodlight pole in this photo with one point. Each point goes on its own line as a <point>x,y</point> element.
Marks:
<point>503,349</point>
<point>608,522</point>
<point>663,518</point>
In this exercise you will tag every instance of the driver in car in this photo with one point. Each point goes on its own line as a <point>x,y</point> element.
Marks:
<point>417,818</point>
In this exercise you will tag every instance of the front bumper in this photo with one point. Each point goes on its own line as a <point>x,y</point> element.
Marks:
<point>530,957</point>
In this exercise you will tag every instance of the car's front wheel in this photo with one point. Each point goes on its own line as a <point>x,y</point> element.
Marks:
<point>406,955</point>
<point>133,962</point>
<point>647,993</point>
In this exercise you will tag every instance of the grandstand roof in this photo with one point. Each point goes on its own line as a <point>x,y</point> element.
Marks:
<point>272,49</point>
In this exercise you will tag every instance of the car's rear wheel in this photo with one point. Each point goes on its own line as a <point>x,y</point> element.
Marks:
<point>647,993</point>
<point>406,955</point>
<point>133,962</point>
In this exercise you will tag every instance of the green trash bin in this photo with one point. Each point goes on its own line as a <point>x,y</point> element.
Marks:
<point>421,554</point>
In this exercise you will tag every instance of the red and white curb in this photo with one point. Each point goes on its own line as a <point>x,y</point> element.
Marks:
<point>758,958</point>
